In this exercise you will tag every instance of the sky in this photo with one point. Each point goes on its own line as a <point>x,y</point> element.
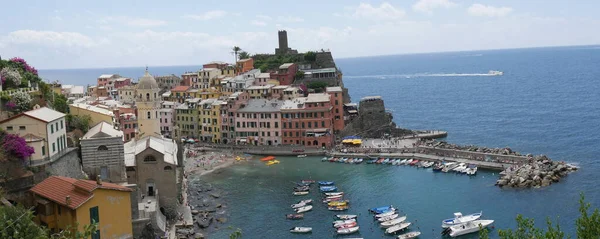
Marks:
<point>64,34</point>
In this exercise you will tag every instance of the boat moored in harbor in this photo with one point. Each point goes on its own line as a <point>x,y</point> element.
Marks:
<point>469,227</point>
<point>460,219</point>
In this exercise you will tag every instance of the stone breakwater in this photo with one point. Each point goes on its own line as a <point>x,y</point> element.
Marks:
<point>539,172</point>
<point>209,210</point>
<point>470,148</point>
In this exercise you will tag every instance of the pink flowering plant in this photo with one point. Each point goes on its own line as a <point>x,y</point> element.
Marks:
<point>16,146</point>
<point>10,105</point>
<point>26,67</point>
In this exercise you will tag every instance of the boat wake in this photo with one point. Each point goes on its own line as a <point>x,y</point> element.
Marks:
<point>418,75</point>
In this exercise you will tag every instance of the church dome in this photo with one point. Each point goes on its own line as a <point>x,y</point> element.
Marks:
<point>147,82</point>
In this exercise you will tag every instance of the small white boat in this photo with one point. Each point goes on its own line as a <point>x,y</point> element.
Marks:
<point>341,222</point>
<point>346,216</point>
<point>397,228</point>
<point>346,231</point>
<point>300,193</point>
<point>306,201</point>
<point>301,229</point>
<point>469,227</point>
<point>471,170</point>
<point>428,164</point>
<point>390,223</point>
<point>495,73</point>
<point>302,156</point>
<point>298,205</point>
<point>304,209</point>
<point>387,218</point>
<point>334,194</point>
<point>461,167</point>
<point>449,166</point>
<point>385,214</point>
<point>408,162</point>
<point>409,235</point>
<point>403,161</point>
<point>460,219</point>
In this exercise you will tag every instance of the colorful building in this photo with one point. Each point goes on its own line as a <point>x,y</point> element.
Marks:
<point>127,122</point>
<point>180,93</point>
<point>63,203</point>
<point>337,102</point>
<point>259,91</point>
<point>186,119</point>
<point>97,114</point>
<point>188,78</point>
<point>258,122</point>
<point>44,129</point>
<point>285,74</point>
<point>167,118</point>
<point>209,120</point>
<point>245,65</point>
<point>228,111</point>
<point>307,121</point>
<point>206,78</point>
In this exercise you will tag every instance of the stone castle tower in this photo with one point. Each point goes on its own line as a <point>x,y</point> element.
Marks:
<point>283,44</point>
<point>147,101</point>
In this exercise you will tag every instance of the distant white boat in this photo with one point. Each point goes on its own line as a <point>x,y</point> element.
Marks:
<point>304,209</point>
<point>469,227</point>
<point>300,193</point>
<point>496,73</point>
<point>302,155</point>
<point>387,218</point>
<point>390,223</point>
<point>301,229</point>
<point>471,170</point>
<point>397,228</point>
<point>385,214</point>
<point>461,167</point>
<point>460,219</point>
<point>409,235</point>
<point>346,231</point>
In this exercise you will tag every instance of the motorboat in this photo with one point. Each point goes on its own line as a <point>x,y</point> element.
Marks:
<point>298,205</point>
<point>449,166</point>
<point>309,181</point>
<point>325,183</point>
<point>268,158</point>
<point>301,229</point>
<point>387,218</point>
<point>414,162</point>
<point>300,193</point>
<point>295,216</point>
<point>360,160</point>
<point>408,161</point>
<point>387,160</point>
<point>301,188</point>
<point>343,221</point>
<point>350,160</point>
<point>346,216</point>
<point>328,189</point>
<point>306,201</point>
<point>461,167</point>
<point>302,156</point>
<point>472,170</point>
<point>460,219</point>
<point>469,227</point>
<point>380,210</point>
<point>333,159</point>
<point>337,208</point>
<point>272,162</point>
<point>495,73</point>
<point>324,159</point>
<point>372,161</point>
<point>346,231</point>
<point>332,199</point>
<point>403,161</point>
<point>349,225</point>
<point>337,203</point>
<point>409,235</point>
<point>384,214</point>
<point>304,209</point>
<point>427,164</point>
<point>334,194</point>
<point>437,167</point>
<point>379,161</point>
<point>396,228</point>
<point>391,223</point>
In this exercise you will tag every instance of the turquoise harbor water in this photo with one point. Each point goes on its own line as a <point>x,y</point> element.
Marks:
<point>547,102</point>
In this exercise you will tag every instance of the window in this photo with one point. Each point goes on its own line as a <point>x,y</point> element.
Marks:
<point>51,128</point>
<point>22,128</point>
<point>62,124</point>
<point>284,134</point>
<point>147,96</point>
<point>322,123</point>
<point>53,147</point>
<point>337,111</point>
<point>56,126</point>
<point>149,114</point>
<point>275,116</point>
<point>297,134</point>
<point>276,124</point>
<point>43,150</point>
<point>309,125</point>
<point>276,134</point>
<point>168,168</point>
<point>149,158</point>
<point>102,147</point>
<point>9,128</point>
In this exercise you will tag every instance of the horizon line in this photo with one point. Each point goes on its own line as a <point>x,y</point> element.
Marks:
<point>352,57</point>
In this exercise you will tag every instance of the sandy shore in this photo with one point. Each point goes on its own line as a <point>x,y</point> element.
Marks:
<point>199,163</point>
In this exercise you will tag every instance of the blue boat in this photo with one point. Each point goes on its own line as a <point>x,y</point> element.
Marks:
<point>380,210</point>
<point>325,183</point>
<point>328,189</point>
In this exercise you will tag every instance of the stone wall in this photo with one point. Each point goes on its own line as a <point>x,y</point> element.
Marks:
<point>67,166</point>
<point>111,157</point>
<point>373,121</point>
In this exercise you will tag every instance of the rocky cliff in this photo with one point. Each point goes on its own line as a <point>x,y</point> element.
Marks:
<point>373,121</point>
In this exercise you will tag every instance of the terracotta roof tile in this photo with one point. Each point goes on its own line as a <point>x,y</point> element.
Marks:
<point>57,189</point>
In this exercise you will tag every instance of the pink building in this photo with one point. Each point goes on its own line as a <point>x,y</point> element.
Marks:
<point>127,122</point>
<point>285,74</point>
<point>167,123</point>
<point>120,82</point>
<point>308,121</point>
<point>258,122</point>
<point>228,111</point>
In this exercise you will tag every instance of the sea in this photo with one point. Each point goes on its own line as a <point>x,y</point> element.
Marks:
<point>546,102</point>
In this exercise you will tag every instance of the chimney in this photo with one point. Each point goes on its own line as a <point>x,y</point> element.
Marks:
<point>98,180</point>
<point>68,200</point>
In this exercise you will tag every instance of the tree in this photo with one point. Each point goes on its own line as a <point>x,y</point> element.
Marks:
<point>318,86</point>
<point>79,122</point>
<point>243,55</point>
<point>70,233</point>
<point>60,103</point>
<point>236,50</point>
<point>310,56</point>
<point>17,222</point>
<point>22,102</point>
<point>588,226</point>
<point>299,75</point>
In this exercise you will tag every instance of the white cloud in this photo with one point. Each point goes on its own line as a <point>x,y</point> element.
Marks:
<point>264,17</point>
<point>258,23</point>
<point>427,6</point>
<point>289,19</point>
<point>131,21</point>
<point>48,39</point>
<point>207,15</point>
<point>384,11</point>
<point>480,10</point>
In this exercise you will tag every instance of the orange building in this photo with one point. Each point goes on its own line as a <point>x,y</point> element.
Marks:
<point>245,65</point>
<point>337,102</point>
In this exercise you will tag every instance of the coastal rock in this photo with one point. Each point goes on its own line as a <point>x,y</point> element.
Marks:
<point>194,212</point>
<point>204,223</point>
<point>545,183</point>
<point>199,236</point>
<point>215,195</point>
<point>222,220</point>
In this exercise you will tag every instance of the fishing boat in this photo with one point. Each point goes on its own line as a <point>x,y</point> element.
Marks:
<point>325,183</point>
<point>409,235</point>
<point>346,216</point>
<point>333,159</point>
<point>302,155</point>
<point>427,164</point>
<point>402,161</point>
<point>334,194</point>
<point>343,221</point>
<point>304,209</point>
<point>301,229</point>
<point>385,161</point>
<point>295,216</point>
<point>414,162</point>
<point>372,161</point>
<point>408,161</point>
<point>387,218</point>
<point>472,170</point>
<point>391,223</point>
<point>460,219</point>
<point>384,214</point>
<point>346,231</point>
<point>379,210</point>
<point>272,162</point>
<point>332,199</point>
<point>469,227</point>
<point>396,228</point>
<point>268,158</point>
<point>309,181</point>
<point>328,188</point>
<point>300,193</point>
<point>350,161</point>
<point>338,208</point>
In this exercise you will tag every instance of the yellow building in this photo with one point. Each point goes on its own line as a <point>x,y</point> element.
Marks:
<point>209,114</point>
<point>97,114</point>
<point>186,119</point>
<point>207,94</point>
<point>63,203</point>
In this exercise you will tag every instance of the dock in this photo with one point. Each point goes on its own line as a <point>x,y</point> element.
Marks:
<point>480,164</point>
